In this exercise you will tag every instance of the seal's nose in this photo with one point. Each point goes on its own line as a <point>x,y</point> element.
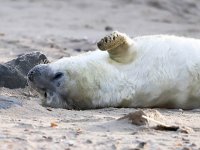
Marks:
<point>30,75</point>
<point>40,78</point>
<point>35,72</point>
<point>38,72</point>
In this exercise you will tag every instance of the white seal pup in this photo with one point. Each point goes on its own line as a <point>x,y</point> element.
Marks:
<point>147,71</point>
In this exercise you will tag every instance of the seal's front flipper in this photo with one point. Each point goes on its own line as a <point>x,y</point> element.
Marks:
<point>119,46</point>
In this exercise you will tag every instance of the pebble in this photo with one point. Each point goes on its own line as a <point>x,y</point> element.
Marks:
<point>109,28</point>
<point>187,148</point>
<point>89,141</point>
<point>71,143</point>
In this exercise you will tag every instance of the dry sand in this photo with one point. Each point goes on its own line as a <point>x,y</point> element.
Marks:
<point>68,27</point>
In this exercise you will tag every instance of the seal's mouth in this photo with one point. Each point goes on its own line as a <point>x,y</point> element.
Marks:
<point>53,99</point>
<point>49,84</point>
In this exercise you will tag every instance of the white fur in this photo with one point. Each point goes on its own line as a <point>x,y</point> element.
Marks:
<point>164,73</point>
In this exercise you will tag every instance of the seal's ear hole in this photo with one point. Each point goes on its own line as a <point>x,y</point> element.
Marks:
<point>57,76</point>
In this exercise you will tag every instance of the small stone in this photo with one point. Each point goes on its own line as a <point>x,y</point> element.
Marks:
<point>185,130</point>
<point>187,148</point>
<point>88,26</point>
<point>78,49</point>
<point>181,110</point>
<point>49,139</point>
<point>88,141</point>
<point>134,133</point>
<point>179,144</point>
<point>185,140</point>
<point>114,146</point>
<point>136,118</point>
<point>108,28</point>
<point>54,124</point>
<point>193,145</point>
<point>142,145</point>
<point>49,109</point>
<point>51,45</point>
<point>2,34</point>
<point>71,143</point>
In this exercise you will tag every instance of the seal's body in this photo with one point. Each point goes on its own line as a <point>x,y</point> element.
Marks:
<point>148,71</point>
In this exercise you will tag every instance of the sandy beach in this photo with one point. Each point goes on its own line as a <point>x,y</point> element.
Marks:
<point>65,28</point>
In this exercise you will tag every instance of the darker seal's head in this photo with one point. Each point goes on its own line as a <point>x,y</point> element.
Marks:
<point>49,84</point>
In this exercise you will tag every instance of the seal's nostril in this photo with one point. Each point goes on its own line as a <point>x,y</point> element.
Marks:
<point>33,73</point>
<point>30,76</point>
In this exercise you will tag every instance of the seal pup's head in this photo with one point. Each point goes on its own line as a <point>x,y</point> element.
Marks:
<point>50,84</point>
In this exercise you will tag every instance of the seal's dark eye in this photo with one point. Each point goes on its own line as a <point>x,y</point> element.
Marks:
<point>57,76</point>
<point>45,94</point>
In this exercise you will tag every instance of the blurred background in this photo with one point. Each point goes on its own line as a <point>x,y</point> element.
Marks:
<point>61,28</point>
